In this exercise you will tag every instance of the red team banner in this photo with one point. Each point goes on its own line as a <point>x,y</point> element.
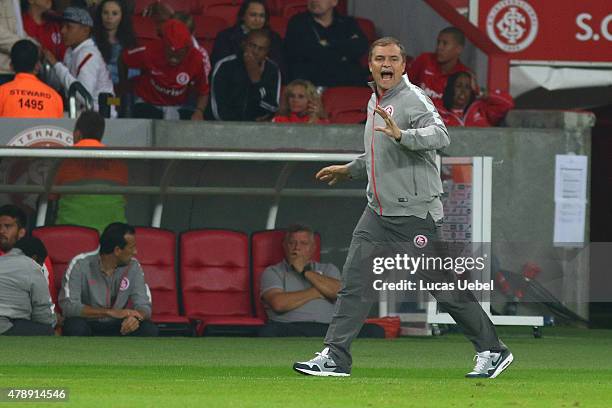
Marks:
<point>549,30</point>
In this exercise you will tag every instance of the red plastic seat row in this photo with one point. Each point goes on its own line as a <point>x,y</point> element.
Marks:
<point>218,274</point>
<point>346,104</point>
<point>227,10</point>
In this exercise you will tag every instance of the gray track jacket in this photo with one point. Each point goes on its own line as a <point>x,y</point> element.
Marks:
<point>84,283</point>
<point>24,292</point>
<point>403,179</point>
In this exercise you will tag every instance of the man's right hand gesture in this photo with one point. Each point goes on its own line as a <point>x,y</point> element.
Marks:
<point>333,174</point>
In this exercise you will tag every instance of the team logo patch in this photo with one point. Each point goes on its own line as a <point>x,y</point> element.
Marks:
<point>389,110</point>
<point>512,25</point>
<point>30,171</point>
<point>420,241</point>
<point>125,283</point>
<point>182,78</point>
<point>56,38</point>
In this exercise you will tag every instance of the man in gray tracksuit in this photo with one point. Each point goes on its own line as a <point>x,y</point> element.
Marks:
<point>26,308</point>
<point>104,292</point>
<point>402,133</point>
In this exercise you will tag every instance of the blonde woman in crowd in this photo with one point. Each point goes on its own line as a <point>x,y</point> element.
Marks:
<point>301,103</point>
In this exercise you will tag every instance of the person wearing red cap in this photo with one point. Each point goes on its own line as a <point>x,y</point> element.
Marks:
<point>170,67</point>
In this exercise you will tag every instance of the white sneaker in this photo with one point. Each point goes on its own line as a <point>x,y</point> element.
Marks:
<point>490,364</point>
<point>322,366</point>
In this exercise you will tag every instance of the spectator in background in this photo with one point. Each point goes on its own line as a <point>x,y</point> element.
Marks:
<point>13,227</point>
<point>299,294</point>
<point>430,71</point>
<point>83,61</point>
<point>91,210</point>
<point>104,292</point>
<point>192,97</point>
<point>11,31</point>
<point>188,20</point>
<point>246,86</point>
<point>27,96</point>
<point>325,47</point>
<point>26,308</point>
<point>169,66</point>
<point>252,15</point>
<point>461,107</point>
<point>40,23</point>
<point>113,32</point>
<point>301,103</point>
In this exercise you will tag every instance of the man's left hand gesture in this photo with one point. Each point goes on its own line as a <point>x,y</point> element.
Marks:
<point>390,128</point>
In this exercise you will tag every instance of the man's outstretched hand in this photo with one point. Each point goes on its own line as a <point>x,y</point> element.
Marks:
<point>333,174</point>
<point>390,128</point>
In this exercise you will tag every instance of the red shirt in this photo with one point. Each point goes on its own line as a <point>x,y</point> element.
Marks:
<point>47,34</point>
<point>483,112</point>
<point>294,118</point>
<point>425,73</point>
<point>162,84</point>
<point>50,276</point>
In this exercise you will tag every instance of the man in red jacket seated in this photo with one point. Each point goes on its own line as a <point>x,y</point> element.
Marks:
<point>461,107</point>
<point>170,67</point>
<point>13,223</point>
<point>430,71</point>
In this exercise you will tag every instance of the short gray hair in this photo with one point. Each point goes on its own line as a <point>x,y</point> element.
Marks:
<point>383,42</point>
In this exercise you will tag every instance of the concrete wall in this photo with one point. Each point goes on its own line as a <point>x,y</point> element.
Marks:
<point>523,178</point>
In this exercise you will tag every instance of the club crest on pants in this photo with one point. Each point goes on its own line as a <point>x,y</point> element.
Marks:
<point>420,241</point>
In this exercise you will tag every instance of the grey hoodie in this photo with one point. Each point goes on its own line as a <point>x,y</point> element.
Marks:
<point>24,292</point>
<point>84,283</point>
<point>403,178</point>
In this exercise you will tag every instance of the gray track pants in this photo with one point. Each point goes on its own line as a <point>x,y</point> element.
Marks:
<point>352,307</point>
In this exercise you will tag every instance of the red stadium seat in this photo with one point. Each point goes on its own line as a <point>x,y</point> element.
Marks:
<point>157,256</point>
<point>290,8</point>
<point>225,9</point>
<point>279,24</point>
<point>346,104</point>
<point>64,242</point>
<point>215,279</point>
<point>184,6</point>
<point>206,30</point>
<point>144,29</point>
<point>368,28</point>
<point>266,250</point>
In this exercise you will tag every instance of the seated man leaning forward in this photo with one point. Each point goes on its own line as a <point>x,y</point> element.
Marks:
<point>298,293</point>
<point>26,308</point>
<point>98,287</point>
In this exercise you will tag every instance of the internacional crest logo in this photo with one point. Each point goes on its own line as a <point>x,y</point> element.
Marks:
<point>420,241</point>
<point>30,171</point>
<point>125,284</point>
<point>512,25</point>
<point>182,78</point>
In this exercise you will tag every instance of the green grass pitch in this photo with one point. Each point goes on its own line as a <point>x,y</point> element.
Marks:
<point>566,368</point>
